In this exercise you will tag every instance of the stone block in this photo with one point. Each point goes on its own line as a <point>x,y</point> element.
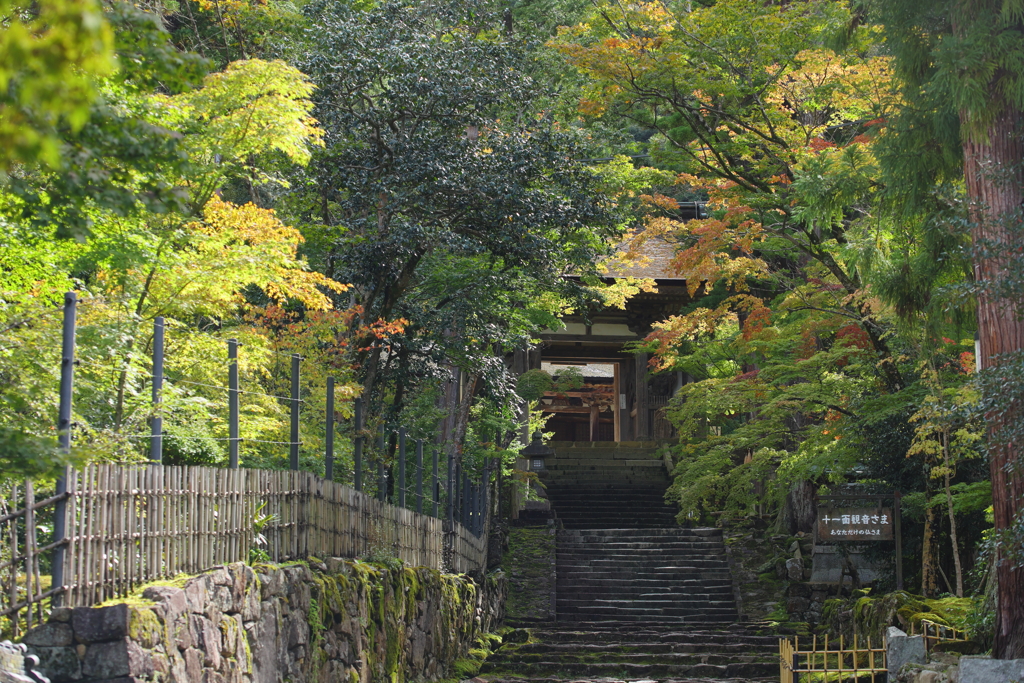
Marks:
<point>221,576</point>
<point>251,603</point>
<point>195,595</point>
<point>61,614</point>
<point>50,634</point>
<point>298,631</point>
<point>795,569</point>
<point>100,624</point>
<point>59,664</point>
<point>115,659</point>
<point>799,590</point>
<point>206,636</point>
<point>272,585</point>
<point>982,669</point>
<point>797,605</point>
<point>172,599</point>
<point>193,665</point>
<point>222,597</point>
<point>902,649</point>
<point>182,632</point>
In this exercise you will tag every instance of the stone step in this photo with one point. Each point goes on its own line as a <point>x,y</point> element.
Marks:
<point>614,603</point>
<point>617,544</point>
<point>640,563</point>
<point>645,657</point>
<point>613,632</point>
<point>679,548</point>
<point>673,679</point>
<point>568,587</point>
<point>645,551</point>
<point>584,647</point>
<point>646,535</point>
<point>682,597</point>
<point>620,670</point>
<point>634,501</point>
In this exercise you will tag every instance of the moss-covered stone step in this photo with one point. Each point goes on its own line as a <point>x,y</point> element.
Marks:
<point>633,535</point>
<point>584,656</point>
<point>594,632</point>
<point>621,670</point>
<point>622,646</point>
<point>499,678</point>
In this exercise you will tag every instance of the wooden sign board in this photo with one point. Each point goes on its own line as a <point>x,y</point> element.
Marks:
<point>855,524</point>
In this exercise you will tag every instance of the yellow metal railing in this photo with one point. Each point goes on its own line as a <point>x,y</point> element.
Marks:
<point>829,663</point>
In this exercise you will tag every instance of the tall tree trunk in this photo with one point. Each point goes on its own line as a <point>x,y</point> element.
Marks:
<point>953,539</point>
<point>801,508</point>
<point>992,166</point>
<point>930,549</point>
<point>454,445</point>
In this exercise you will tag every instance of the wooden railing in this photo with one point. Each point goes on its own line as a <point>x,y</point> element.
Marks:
<point>830,663</point>
<point>129,525</point>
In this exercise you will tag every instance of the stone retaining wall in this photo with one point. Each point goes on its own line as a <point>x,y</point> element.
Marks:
<point>343,622</point>
<point>530,563</point>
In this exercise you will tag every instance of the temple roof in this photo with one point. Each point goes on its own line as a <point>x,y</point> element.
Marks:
<point>653,261</point>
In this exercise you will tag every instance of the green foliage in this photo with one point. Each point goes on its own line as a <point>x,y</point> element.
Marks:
<point>532,384</point>
<point>53,54</point>
<point>31,456</point>
<point>568,378</point>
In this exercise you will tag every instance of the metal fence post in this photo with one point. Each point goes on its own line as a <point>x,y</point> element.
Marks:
<point>897,514</point>
<point>329,457</point>
<point>456,493</point>
<point>449,503</point>
<point>382,483</point>
<point>294,455</point>
<point>437,484</point>
<point>466,509</point>
<point>484,483</point>
<point>419,476</point>
<point>156,424</point>
<point>357,446</point>
<point>67,378</point>
<point>233,393</point>
<point>401,467</point>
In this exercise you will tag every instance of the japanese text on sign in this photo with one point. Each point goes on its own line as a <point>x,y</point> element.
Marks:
<point>855,524</point>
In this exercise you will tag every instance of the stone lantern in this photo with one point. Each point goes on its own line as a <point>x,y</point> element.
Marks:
<point>535,453</point>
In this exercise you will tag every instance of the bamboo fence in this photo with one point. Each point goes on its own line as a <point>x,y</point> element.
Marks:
<point>128,525</point>
<point>831,663</point>
<point>934,633</point>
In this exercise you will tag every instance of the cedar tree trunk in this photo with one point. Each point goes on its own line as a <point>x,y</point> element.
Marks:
<point>992,166</point>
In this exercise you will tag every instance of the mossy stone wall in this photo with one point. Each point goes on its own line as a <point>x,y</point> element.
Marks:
<point>339,622</point>
<point>530,567</point>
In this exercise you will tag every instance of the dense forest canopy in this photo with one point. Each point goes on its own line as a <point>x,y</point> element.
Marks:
<point>400,191</point>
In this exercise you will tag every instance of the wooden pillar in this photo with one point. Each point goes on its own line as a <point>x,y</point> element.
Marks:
<point>642,426</point>
<point>627,380</point>
<point>616,403</point>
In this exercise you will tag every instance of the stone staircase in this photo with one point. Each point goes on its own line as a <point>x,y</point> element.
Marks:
<point>643,575</point>
<point>637,597</point>
<point>608,485</point>
<point>650,652</point>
